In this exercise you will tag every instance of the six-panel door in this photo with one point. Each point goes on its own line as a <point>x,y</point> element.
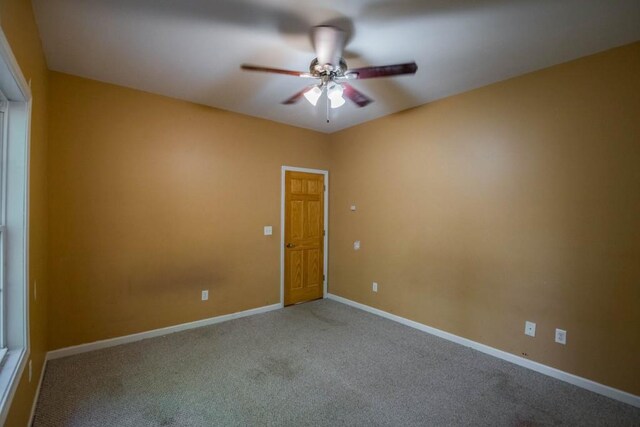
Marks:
<point>303,237</point>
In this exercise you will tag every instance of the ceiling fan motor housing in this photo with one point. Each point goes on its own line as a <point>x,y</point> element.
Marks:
<point>329,70</point>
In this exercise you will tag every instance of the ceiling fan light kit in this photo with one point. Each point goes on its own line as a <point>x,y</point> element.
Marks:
<point>331,69</point>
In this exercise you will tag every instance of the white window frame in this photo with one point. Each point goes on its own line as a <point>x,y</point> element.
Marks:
<point>4,110</point>
<point>14,216</point>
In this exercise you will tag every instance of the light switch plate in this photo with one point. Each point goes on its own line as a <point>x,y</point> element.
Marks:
<point>530,328</point>
<point>356,245</point>
<point>268,230</point>
<point>374,287</point>
<point>353,207</point>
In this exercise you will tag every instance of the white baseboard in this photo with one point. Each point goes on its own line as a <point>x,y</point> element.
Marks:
<point>37,395</point>
<point>593,386</point>
<point>96,345</point>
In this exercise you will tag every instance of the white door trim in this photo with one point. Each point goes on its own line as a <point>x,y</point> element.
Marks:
<point>326,226</point>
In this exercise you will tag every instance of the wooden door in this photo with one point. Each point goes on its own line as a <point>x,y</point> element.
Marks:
<point>303,237</point>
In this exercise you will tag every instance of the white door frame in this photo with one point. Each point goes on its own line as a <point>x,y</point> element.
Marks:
<point>326,226</point>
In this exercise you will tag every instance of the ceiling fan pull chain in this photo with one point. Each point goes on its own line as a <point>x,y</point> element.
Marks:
<point>327,97</point>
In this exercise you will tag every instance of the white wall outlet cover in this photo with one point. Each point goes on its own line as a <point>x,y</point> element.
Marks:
<point>356,245</point>
<point>530,328</point>
<point>205,295</point>
<point>374,287</point>
<point>561,336</point>
<point>353,207</point>
<point>268,230</point>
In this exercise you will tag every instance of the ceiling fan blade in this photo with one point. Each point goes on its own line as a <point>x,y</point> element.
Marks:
<point>382,71</point>
<point>296,97</point>
<point>328,42</point>
<point>259,68</point>
<point>357,97</point>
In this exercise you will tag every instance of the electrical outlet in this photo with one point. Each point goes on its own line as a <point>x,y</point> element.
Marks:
<point>356,245</point>
<point>205,295</point>
<point>374,287</point>
<point>530,328</point>
<point>268,230</point>
<point>353,207</point>
<point>561,336</point>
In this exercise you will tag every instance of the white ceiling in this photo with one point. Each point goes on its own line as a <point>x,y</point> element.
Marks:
<point>191,49</point>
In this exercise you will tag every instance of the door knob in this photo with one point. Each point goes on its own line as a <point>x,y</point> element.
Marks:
<point>291,245</point>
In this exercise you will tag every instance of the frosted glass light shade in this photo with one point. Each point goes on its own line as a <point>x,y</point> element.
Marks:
<point>313,95</point>
<point>334,93</point>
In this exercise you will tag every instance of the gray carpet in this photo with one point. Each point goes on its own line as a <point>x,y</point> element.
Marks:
<point>321,363</point>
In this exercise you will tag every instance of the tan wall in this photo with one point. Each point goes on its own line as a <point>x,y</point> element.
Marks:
<point>518,201</point>
<point>20,29</point>
<point>153,200</point>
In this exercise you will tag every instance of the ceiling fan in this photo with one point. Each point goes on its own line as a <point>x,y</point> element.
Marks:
<point>331,71</point>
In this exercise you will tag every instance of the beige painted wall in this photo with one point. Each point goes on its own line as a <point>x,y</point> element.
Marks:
<point>517,201</point>
<point>154,199</point>
<point>18,25</point>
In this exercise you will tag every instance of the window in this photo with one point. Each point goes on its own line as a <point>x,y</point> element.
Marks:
<point>3,110</point>
<point>15,111</point>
